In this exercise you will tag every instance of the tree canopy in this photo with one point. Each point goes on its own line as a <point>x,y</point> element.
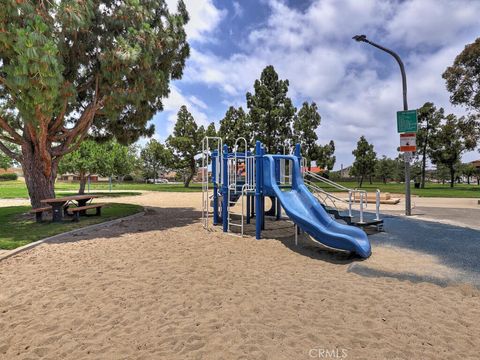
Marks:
<point>156,158</point>
<point>463,77</point>
<point>454,137</point>
<point>365,157</point>
<point>186,143</point>
<point>271,110</point>
<point>429,119</point>
<point>72,68</point>
<point>93,158</point>
<point>305,124</point>
<point>234,125</point>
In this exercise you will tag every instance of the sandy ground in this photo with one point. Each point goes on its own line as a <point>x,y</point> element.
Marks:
<point>161,287</point>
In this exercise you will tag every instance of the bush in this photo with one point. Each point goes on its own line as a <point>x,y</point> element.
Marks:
<point>7,177</point>
<point>128,178</point>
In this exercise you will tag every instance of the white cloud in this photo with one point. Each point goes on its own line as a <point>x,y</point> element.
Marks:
<point>237,9</point>
<point>434,22</point>
<point>171,106</point>
<point>357,89</point>
<point>204,18</point>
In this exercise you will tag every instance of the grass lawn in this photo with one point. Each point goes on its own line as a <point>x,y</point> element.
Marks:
<point>18,228</point>
<point>18,190</point>
<point>431,189</point>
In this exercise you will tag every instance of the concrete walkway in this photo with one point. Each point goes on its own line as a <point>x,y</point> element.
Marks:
<point>450,253</point>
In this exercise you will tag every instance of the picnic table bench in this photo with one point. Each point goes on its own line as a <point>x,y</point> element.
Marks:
<point>82,210</point>
<point>60,207</point>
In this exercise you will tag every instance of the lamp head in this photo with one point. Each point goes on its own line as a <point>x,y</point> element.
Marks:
<point>360,38</point>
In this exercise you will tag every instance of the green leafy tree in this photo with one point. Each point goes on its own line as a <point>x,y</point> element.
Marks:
<point>469,171</point>
<point>234,125</point>
<point>324,155</point>
<point>454,137</point>
<point>83,162</point>
<point>305,124</point>
<point>441,173</point>
<point>365,158</point>
<point>120,160</point>
<point>385,168</point>
<point>186,143</point>
<point>6,161</point>
<point>463,77</point>
<point>429,119</point>
<point>211,130</point>
<point>415,169</point>
<point>93,158</point>
<point>156,158</point>
<point>271,110</point>
<point>72,68</point>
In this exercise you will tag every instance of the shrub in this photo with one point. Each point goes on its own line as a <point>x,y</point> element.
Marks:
<point>6,177</point>
<point>128,178</point>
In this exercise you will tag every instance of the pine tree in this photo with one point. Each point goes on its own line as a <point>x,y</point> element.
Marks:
<point>235,125</point>
<point>324,156</point>
<point>385,168</point>
<point>72,68</point>
<point>186,143</point>
<point>365,158</point>
<point>429,119</point>
<point>305,124</point>
<point>271,110</point>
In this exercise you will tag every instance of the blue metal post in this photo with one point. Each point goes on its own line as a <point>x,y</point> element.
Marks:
<point>248,209</point>
<point>215,187</point>
<point>225,198</point>
<point>258,189</point>
<point>276,206</point>
<point>298,151</point>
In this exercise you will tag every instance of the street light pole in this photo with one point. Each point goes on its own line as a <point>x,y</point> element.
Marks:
<point>363,38</point>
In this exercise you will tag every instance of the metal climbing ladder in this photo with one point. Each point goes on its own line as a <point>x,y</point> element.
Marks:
<point>206,163</point>
<point>239,183</point>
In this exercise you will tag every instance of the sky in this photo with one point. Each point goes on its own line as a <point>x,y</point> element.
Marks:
<point>357,88</point>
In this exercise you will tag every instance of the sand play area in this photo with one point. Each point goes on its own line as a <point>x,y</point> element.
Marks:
<point>161,287</point>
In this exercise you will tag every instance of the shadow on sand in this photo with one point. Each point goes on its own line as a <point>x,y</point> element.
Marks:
<point>154,219</point>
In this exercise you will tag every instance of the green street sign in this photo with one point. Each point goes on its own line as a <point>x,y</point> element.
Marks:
<point>407,121</point>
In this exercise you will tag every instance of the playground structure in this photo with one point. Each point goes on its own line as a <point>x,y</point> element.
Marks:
<point>243,179</point>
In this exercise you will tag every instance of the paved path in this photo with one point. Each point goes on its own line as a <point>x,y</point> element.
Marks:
<point>455,247</point>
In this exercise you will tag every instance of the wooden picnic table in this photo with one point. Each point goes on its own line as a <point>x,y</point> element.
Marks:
<point>59,208</point>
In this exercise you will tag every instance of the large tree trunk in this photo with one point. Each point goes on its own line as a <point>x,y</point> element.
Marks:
<point>452,177</point>
<point>361,181</point>
<point>190,176</point>
<point>39,184</point>
<point>424,164</point>
<point>83,182</point>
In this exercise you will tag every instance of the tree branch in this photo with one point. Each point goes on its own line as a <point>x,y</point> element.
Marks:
<point>5,126</point>
<point>6,138</point>
<point>10,153</point>
<point>58,123</point>
<point>81,128</point>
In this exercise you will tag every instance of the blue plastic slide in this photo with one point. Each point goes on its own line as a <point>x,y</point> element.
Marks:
<point>304,209</point>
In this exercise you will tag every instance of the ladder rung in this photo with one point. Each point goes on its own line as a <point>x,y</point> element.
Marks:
<point>239,225</point>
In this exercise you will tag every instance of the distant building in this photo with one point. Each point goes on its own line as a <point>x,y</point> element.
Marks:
<point>476,163</point>
<point>74,177</point>
<point>345,172</point>
<point>12,170</point>
<point>314,169</point>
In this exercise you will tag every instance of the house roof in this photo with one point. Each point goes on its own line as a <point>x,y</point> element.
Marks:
<point>314,169</point>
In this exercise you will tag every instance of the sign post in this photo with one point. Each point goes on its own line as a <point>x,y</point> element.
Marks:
<point>407,126</point>
<point>408,142</point>
<point>407,121</point>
